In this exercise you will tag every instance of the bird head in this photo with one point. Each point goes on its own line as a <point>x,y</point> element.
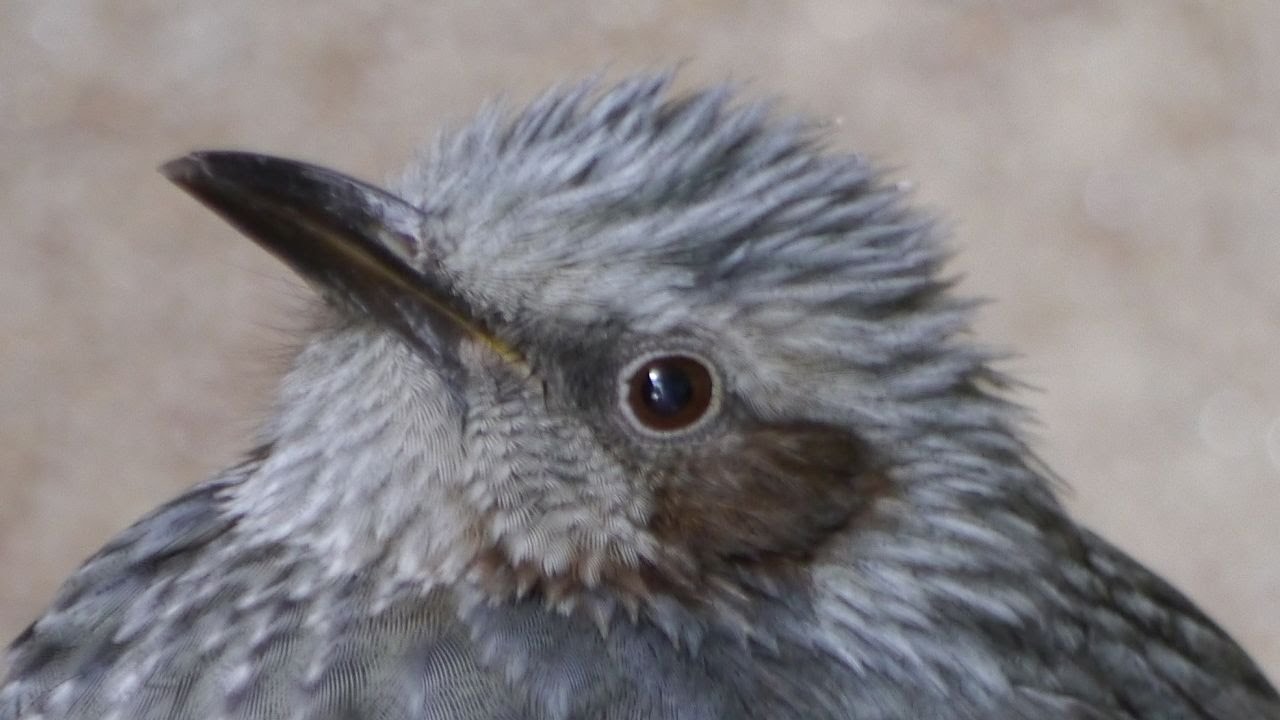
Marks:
<point>620,350</point>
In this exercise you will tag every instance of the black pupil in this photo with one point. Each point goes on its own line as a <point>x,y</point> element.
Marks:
<point>667,389</point>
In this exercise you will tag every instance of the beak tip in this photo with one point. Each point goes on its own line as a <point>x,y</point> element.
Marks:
<point>204,166</point>
<point>182,171</point>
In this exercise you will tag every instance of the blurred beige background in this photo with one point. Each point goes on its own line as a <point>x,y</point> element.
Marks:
<point>1111,171</point>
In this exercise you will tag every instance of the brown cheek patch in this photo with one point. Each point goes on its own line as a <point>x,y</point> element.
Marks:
<point>769,496</point>
<point>755,506</point>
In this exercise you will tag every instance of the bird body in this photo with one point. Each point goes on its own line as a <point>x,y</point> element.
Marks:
<point>628,406</point>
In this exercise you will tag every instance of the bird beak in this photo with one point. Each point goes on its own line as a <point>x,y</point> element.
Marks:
<point>359,245</point>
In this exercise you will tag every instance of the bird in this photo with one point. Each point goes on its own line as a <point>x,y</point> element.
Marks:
<point>634,403</point>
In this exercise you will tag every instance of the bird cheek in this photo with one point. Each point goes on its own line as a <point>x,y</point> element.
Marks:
<point>771,496</point>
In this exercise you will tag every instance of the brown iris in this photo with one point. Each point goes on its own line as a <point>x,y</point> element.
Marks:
<point>670,392</point>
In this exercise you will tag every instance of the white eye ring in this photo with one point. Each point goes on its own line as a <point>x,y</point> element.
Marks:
<point>669,393</point>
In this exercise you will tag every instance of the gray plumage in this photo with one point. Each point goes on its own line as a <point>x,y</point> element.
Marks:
<point>456,511</point>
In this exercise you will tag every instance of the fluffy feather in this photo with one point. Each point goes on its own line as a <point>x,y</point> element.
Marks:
<point>860,532</point>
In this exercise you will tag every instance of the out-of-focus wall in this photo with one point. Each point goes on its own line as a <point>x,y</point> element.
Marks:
<point>1110,170</point>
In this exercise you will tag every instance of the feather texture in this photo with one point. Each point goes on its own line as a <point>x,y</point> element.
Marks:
<point>855,530</point>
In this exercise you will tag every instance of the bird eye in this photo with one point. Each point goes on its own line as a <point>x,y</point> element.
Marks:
<point>667,393</point>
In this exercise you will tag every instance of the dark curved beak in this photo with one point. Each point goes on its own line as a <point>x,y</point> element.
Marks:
<point>361,246</point>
